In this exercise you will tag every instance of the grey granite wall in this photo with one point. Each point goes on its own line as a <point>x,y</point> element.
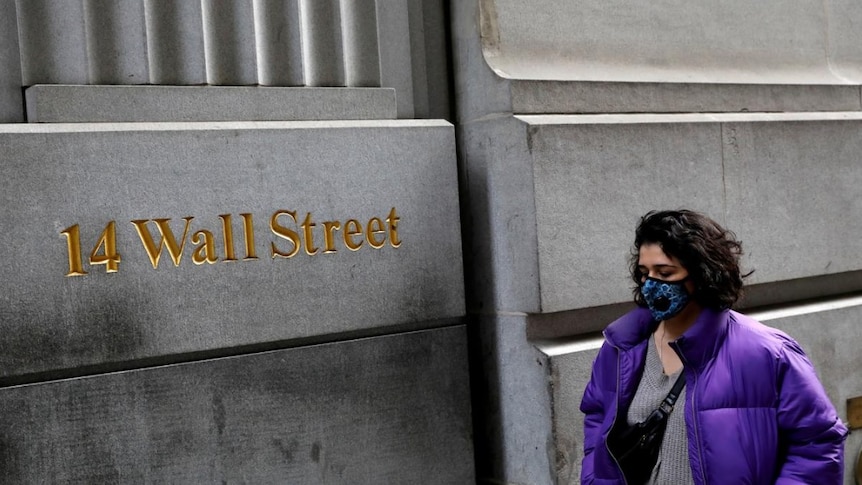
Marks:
<point>233,256</point>
<point>574,120</point>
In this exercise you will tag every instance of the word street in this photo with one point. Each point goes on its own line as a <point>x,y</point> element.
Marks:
<point>290,234</point>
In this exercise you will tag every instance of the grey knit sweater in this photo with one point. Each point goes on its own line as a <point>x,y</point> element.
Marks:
<point>673,465</point>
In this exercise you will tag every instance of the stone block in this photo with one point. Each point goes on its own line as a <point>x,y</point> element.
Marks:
<point>393,409</point>
<point>63,184</point>
<point>794,195</point>
<point>554,200</point>
<point>11,102</point>
<point>77,104</point>
<point>595,41</point>
<point>529,58</point>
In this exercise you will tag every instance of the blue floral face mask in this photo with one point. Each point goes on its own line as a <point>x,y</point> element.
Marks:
<point>665,299</point>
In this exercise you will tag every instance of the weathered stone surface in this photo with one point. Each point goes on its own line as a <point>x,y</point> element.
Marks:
<point>11,104</point>
<point>116,41</point>
<point>392,409</point>
<point>229,42</point>
<point>525,58</point>
<point>175,49</point>
<point>821,330</point>
<point>279,43</point>
<point>794,195</point>
<point>540,97</point>
<point>322,46</point>
<point>618,173</point>
<point>393,31</point>
<point>512,402</point>
<point>53,41</point>
<point>554,200</point>
<point>54,177</point>
<point>76,104</point>
<point>594,41</point>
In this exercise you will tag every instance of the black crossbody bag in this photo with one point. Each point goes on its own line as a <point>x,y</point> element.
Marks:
<point>636,447</point>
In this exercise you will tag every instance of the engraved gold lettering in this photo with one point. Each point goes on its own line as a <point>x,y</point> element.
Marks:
<point>309,237</point>
<point>285,233</point>
<point>73,247</point>
<point>110,258</point>
<point>349,234</point>
<point>227,231</point>
<point>392,224</point>
<point>248,227</point>
<point>375,226</point>
<point>155,252</point>
<point>328,242</point>
<point>205,252</point>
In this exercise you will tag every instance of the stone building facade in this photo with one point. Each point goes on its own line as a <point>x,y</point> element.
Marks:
<point>334,241</point>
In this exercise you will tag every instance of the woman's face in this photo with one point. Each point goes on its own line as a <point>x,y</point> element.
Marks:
<point>653,262</point>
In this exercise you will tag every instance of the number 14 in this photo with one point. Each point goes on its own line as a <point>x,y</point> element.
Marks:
<point>107,243</point>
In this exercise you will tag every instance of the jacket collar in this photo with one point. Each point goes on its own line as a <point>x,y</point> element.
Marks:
<point>697,346</point>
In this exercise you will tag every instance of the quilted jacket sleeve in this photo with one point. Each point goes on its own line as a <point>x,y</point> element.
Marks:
<point>810,430</point>
<point>593,407</point>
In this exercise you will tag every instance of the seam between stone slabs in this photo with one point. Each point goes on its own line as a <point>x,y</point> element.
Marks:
<point>643,118</point>
<point>557,348</point>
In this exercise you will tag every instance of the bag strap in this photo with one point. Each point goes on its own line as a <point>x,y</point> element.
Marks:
<point>666,406</point>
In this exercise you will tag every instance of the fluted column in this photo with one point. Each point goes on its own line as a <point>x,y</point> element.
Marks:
<point>279,42</point>
<point>116,41</point>
<point>53,42</point>
<point>11,105</point>
<point>321,43</point>
<point>359,38</point>
<point>229,42</point>
<point>175,43</point>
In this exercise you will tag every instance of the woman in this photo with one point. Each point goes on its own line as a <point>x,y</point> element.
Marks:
<point>751,411</point>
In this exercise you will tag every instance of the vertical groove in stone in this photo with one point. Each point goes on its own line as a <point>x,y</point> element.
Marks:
<point>359,41</point>
<point>229,42</point>
<point>52,41</point>
<point>279,42</point>
<point>417,55</point>
<point>175,43</point>
<point>11,102</point>
<point>393,30</point>
<point>436,59</point>
<point>323,58</point>
<point>116,41</point>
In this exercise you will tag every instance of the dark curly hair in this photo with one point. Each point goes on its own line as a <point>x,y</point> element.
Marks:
<point>708,251</point>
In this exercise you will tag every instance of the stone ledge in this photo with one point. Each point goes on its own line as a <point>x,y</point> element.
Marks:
<point>49,103</point>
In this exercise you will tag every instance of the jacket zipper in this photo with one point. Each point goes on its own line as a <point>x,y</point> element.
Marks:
<point>694,416</point>
<point>616,412</point>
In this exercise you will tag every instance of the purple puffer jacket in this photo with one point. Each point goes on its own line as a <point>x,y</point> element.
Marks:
<point>755,412</point>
